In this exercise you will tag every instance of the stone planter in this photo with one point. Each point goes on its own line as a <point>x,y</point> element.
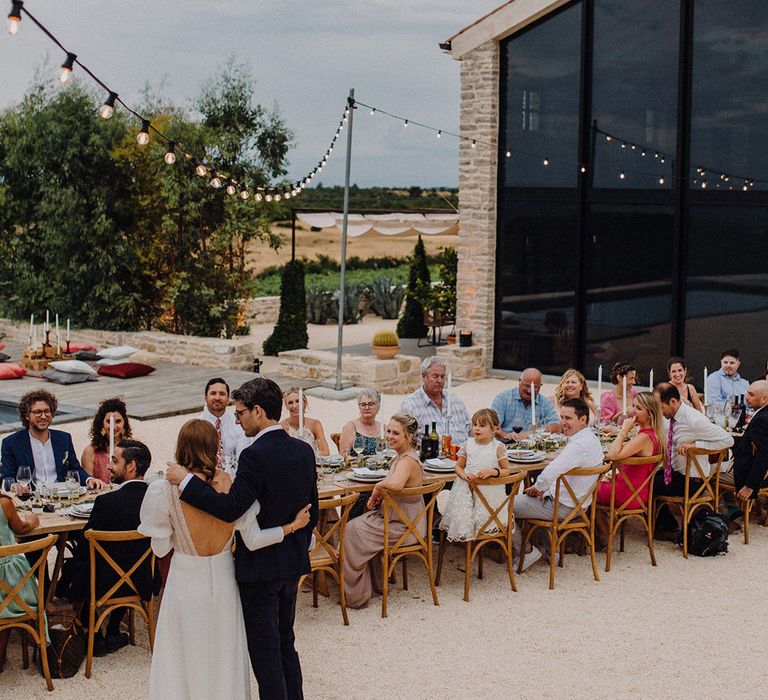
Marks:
<point>385,352</point>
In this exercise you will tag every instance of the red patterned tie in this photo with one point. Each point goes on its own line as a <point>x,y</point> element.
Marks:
<point>220,451</point>
<point>670,453</point>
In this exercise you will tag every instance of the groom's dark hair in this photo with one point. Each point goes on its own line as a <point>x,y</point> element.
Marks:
<point>261,392</point>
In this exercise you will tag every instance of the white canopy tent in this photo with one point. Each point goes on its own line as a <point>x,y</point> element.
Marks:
<point>389,224</point>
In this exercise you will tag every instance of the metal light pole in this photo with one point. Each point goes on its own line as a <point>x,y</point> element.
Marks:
<point>350,117</point>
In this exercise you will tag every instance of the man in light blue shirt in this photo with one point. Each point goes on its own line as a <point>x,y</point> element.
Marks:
<point>726,382</point>
<point>513,407</point>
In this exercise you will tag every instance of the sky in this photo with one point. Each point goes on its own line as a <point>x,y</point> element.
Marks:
<point>305,56</point>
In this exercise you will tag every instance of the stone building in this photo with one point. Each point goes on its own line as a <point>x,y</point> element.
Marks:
<point>614,183</point>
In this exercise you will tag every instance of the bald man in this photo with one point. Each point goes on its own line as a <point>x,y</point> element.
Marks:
<point>513,407</point>
<point>750,461</point>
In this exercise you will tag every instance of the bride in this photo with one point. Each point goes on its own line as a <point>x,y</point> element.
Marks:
<point>201,599</point>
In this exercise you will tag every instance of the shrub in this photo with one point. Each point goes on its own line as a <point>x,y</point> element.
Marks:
<point>386,298</point>
<point>411,324</point>
<point>290,332</point>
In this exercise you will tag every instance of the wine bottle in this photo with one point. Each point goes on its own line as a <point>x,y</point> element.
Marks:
<point>434,440</point>
<point>426,445</point>
<point>743,415</point>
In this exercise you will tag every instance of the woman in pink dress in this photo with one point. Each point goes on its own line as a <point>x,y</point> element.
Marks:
<point>612,401</point>
<point>649,441</point>
<point>95,457</point>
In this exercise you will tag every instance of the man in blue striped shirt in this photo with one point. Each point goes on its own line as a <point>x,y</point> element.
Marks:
<point>429,403</point>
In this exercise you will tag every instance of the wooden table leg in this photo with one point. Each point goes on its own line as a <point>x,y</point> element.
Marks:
<point>61,547</point>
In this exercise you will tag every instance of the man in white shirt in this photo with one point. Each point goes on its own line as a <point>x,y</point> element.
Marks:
<point>232,439</point>
<point>583,450</point>
<point>688,428</point>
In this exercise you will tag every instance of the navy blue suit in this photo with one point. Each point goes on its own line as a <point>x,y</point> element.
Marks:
<point>279,471</point>
<point>17,450</point>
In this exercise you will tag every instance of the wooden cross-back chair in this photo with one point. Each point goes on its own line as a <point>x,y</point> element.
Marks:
<point>336,437</point>
<point>328,553</point>
<point>580,520</point>
<point>746,505</point>
<point>108,601</point>
<point>32,620</point>
<point>401,547</point>
<point>619,513</point>
<point>498,527</point>
<point>698,494</point>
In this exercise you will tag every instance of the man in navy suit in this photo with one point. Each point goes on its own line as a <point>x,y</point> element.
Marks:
<point>49,453</point>
<point>279,471</point>
<point>750,462</point>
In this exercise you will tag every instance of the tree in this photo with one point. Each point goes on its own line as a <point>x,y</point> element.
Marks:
<point>411,324</point>
<point>290,333</point>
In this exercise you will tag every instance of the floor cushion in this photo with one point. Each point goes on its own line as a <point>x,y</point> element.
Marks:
<point>118,352</point>
<point>11,370</point>
<point>126,370</point>
<point>58,377</point>
<point>72,366</point>
<point>77,347</point>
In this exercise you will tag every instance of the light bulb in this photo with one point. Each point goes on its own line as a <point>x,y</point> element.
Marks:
<point>66,68</point>
<point>583,169</point>
<point>622,175</point>
<point>244,193</point>
<point>200,169</point>
<point>405,123</point>
<point>703,184</point>
<point>215,180</point>
<point>287,195</point>
<point>439,133</point>
<point>277,197</point>
<point>143,136</point>
<point>661,180</point>
<point>509,154</point>
<point>107,109</point>
<point>267,197</point>
<point>474,143</point>
<point>623,145</point>
<point>231,189</point>
<point>607,138</point>
<point>546,161</point>
<point>14,17</point>
<point>170,154</point>
<point>373,111</point>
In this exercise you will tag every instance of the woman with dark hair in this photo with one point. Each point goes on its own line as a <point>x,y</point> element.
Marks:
<point>201,598</point>
<point>95,457</point>
<point>678,373</point>
<point>612,401</point>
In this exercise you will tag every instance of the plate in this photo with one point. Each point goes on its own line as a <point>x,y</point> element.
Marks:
<point>440,464</point>
<point>515,456</point>
<point>331,460</point>
<point>62,490</point>
<point>83,508</point>
<point>79,516</point>
<point>366,480</point>
<point>440,470</point>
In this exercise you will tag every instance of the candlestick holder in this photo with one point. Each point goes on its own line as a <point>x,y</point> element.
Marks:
<point>67,351</point>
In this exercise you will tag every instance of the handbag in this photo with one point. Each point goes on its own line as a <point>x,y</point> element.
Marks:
<point>67,647</point>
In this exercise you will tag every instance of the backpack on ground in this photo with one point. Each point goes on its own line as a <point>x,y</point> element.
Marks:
<point>707,534</point>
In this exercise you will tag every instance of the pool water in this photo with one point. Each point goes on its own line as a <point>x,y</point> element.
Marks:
<point>8,413</point>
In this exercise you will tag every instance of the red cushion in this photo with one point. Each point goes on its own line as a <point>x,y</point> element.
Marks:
<point>2,346</point>
<point>10,370</point>
<point>77,347</point>
<point>126,370</point>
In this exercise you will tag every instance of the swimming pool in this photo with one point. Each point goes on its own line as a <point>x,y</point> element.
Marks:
<point>9,415</point>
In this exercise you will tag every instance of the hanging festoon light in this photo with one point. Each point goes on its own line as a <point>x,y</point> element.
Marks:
<point>142,138</point>
<point>231,189</point>
<point>546,160</point>
<point>622,175</point>
<point>215,180</point>
<point>661,180</point>
<point>14,17</point>
<point>244,193</point>
<point>108,108</point>
<point>439,133</point>
<point>66,68</point>
<point>170,154</point>
<point>200,169</point>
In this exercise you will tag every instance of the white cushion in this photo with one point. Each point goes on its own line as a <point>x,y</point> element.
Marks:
<point>112,361</point>
<point>72,366</point>
<point>118,353</point>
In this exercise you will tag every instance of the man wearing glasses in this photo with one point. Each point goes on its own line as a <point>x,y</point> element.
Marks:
<point>49,453</point>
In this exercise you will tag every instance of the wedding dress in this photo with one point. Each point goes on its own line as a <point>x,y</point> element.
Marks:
<point>200,649</point>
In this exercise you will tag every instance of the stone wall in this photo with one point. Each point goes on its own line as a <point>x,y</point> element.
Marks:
<point>465,364</point>
<point>476,282</point>
<point>234,353</point>
<point>400,375</point>
<point>263,310</point>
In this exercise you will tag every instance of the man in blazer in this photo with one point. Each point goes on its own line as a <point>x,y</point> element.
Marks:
<point>117,510</point>
<point>49,453</point>
<point>278,471</point>
<point>750,455</point>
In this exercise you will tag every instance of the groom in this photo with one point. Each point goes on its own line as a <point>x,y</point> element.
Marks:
<point>278,471</point>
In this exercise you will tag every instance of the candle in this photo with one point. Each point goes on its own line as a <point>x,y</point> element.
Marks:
<point>599,386</point>
<point>301,412</point>
<point>650,381</point>
<point>448,399</point>
<point>382,430</point>
<point>111,435</point>
<point>705,384</point>
<point>624,396</point>
<point>57,324</point>
<point>58,343</point>
<point>47,321</point>
<point>34,337</point>
<point>31,326</point>
<point>533,405</point>
<point>67,330</point>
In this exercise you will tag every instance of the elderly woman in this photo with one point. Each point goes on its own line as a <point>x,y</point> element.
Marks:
<point>313,433</point>
<point>360,436</point>
<point>573,385</point>
<point>365,535</point>
<point>678,373</point>
<point>612,401</point>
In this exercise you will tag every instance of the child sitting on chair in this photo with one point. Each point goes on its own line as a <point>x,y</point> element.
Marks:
<point>481,457</point>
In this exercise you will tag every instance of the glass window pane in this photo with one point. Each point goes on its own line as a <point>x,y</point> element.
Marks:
<point>727,291</point>
<point>536,258</point>
<point>629,288</point>
<point>730,82</point>
<point>634,98</point>
<point>541,119</point>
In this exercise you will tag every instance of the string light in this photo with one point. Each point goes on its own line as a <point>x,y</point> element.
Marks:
<point>231,189</point>
<point>439,133</point>
<point>66,68</point>
<point>143,136</point>
<point>215,180</point>
<point>200,169</point>
<point>244,193</point>
<point>474,143</point>
<point>373,111</point>
<point>546,160</point>
<point>107,109</point>
<point>14,17</point>
<point>583,168</point>
<point>622,175</point>
<point>661,180</point>
<point>405,123</point>
<point>509,154</point>
<point>170,154</point>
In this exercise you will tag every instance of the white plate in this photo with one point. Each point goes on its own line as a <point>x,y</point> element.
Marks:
<point>524,454</point>
<point>64,491</point>
<point>439,470</point>
<point>440,463</point>
<point>536,457</point>
<point>366,480</point>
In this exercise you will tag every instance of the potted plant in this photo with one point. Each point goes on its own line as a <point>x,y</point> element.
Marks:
<point>385,344</point>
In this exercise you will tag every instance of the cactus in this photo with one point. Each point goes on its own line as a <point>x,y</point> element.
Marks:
<point>386,339</point>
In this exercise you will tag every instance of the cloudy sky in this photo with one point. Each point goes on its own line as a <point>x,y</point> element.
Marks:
<point>305,55</point>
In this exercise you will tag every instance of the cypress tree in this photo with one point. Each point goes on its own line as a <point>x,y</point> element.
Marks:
<point>411,323</point>
<point>290,332</point>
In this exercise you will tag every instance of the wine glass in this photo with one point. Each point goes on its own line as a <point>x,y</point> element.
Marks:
<point>7,485</point>
<point>517,429</point>
<point>24,479</point>
<point>72,480</point>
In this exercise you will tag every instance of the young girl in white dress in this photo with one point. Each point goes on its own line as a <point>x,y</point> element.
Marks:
<point>481,457</point>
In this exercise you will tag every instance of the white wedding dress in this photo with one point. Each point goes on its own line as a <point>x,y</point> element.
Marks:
<point>200,649</point>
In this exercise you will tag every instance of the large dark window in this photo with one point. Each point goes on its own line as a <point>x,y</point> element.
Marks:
<point>726,298</point>
<point>730,85</point>
<point>629,286</point>
<point>541,114</point>
<point>536,276</point>
<point>634,94</point>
